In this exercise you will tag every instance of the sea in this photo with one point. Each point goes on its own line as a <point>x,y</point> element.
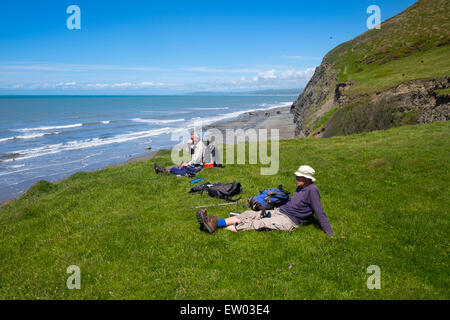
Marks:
<point>52,137</point>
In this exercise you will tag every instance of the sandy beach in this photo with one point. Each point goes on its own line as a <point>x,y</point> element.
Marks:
<point>276,118</point>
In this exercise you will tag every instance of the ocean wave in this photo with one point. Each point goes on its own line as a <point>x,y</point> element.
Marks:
<point>29,168</point>
<point>29,136</point>
<point>208,108</point>
<point>17,166</point>
<point>69,126</point>
<point>156,121</point>
<point>45,128</point>
<point>96,123</point>
<point>165,112</point>
<point>81,144</point>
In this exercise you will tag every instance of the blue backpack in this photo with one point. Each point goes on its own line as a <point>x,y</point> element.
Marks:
<point>269,199</point>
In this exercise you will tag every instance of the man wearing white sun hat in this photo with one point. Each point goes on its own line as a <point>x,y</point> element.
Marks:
<point>299,210</point>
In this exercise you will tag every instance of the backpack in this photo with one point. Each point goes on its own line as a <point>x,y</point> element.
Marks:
<point>219,190</point>
<point>269,199</point>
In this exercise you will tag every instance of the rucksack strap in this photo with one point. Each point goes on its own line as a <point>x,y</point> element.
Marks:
<point>270,194</point>
<point>228,198</point>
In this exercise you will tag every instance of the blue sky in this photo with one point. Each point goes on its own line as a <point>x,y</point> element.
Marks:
<point>162,47</point>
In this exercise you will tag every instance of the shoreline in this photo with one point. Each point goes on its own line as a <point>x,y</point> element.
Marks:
<point>275,118</point>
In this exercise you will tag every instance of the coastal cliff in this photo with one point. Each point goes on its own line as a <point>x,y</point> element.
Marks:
<point>386,77</point>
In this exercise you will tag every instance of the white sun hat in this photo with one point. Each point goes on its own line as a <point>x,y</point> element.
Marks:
<point>306,171</point>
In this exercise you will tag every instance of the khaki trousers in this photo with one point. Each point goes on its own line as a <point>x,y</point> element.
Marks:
<point>251,220</point>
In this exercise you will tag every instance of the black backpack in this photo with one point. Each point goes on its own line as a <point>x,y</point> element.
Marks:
<point>219,190</point>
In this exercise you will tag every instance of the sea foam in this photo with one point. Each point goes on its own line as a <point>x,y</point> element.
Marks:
<point>28,136</point>
<point>83,144</point>
<point>156,121</point>
<point>69,126</point>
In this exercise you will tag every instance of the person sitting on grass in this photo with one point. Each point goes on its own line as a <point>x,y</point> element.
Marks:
<point>297,211</point>
<point>192,167</point>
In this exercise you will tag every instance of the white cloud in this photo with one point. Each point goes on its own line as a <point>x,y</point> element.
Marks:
<point>269,79</point>
<point>98,85</point>
<point>267,74</point>
<point>150,84</point>
<point>143,84</point>
<point>122,85</point>
<point>40,86</point>
<point>66,84</point>
<point>277,77</point>
<point>292,73</point>
<point>272,77</point>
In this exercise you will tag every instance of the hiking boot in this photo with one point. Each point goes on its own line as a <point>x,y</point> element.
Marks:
<point>198,214</point>
<point>158,169</point>
<point>208,223</point>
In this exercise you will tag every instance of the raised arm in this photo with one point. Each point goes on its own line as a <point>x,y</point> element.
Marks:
<point>321,216</point>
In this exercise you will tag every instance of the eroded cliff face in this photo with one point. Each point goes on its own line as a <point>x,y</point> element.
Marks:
<point>420,96</point>
<point>412,102</point>
<point>314,95</point>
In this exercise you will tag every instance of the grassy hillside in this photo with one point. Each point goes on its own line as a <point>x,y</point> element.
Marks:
<point>355,78</point>
<point>412,45</point>
<point>134,234</point>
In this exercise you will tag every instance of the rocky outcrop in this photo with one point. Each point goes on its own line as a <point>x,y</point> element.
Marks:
<point>412,102</point>
<point>316,92</point>
<point>416,101</point>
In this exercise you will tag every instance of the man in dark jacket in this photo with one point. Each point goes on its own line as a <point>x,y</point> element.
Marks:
<point>297,211</point>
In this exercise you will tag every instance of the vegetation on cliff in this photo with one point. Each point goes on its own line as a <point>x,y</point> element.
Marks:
<point>412,46</point>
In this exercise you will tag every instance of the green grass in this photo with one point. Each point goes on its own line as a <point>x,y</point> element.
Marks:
<point>412,45</point>
<point>321,122</point>
<point>443,91</point>
<point>421,65</point>
<point>134,235</point>
<point>363,116</point>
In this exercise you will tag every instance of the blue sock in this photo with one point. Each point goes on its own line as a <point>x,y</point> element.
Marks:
<point>221,223</point>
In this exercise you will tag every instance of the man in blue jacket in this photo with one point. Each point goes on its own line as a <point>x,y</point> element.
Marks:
<point>298,211</point>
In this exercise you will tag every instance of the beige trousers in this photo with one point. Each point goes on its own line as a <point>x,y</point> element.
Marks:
<point>251,220</point>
